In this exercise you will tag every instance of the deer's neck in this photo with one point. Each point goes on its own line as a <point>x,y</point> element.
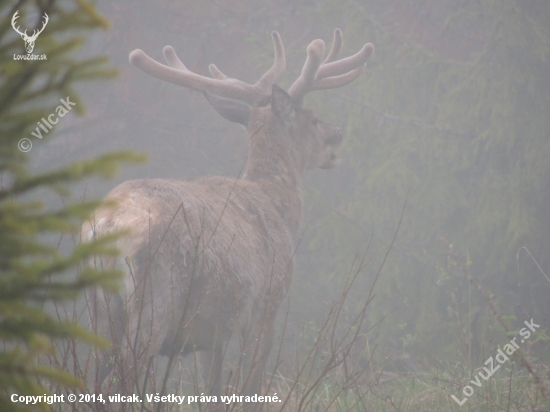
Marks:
<point>277,168</point>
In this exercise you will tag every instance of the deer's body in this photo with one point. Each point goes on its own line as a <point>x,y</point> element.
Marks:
<point>224,233</point>
<point>212,259</point>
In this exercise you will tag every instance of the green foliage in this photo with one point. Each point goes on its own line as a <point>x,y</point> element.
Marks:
<point>464,127</point>
<point>32,271</point>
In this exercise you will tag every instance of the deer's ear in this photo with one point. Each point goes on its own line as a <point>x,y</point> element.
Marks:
<point>232,110</point>
<point>281,105</point>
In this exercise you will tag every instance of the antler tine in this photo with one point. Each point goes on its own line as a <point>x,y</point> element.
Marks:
<point>272,75</point>
<point>172,59</point>
<point>315,53</point>
<point>216,73</point>
<point>330,74</point>
<point>345,65</point>
<point>338,81</point>
<point>336,46</point>
<point>181,76</point>
<point>221,85</point>
<point>279,65</point>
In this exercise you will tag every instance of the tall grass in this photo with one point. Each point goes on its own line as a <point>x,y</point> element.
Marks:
<point>332,365</point>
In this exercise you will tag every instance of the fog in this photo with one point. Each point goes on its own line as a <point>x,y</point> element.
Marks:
<point>437,212</point>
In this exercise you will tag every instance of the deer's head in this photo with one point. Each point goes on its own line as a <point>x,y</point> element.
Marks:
<point>29,40</point>
<point>278,126</point>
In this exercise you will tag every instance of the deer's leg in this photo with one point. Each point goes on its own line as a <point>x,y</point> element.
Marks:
<point>149,305</point>
<point>258,347</point>
<point>212,362</point>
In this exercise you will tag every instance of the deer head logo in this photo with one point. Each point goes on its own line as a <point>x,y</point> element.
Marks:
<point>29,40</point>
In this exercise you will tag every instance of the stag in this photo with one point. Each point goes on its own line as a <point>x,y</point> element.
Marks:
<point>213,257</point>
<point>29,40</point>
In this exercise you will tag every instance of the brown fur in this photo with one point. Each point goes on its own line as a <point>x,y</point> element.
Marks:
<point>210,259</point>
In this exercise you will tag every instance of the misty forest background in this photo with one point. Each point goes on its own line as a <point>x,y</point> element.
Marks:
<point>449,124</point>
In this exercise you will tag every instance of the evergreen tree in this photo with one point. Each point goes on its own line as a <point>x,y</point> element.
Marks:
<point>452,110</point>
<point>33,272</point>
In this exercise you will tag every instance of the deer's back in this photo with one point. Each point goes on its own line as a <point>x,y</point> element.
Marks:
<point>217,245</point>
